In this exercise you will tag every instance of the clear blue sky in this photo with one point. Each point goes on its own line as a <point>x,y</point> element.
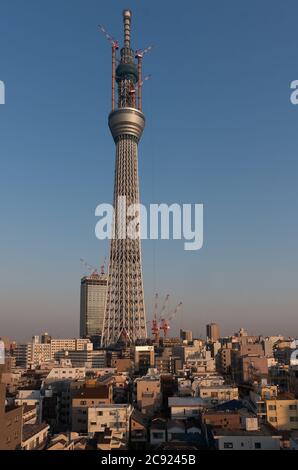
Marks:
<point>220,130</point>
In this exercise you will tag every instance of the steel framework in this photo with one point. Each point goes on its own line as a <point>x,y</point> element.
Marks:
<point>125,318</point>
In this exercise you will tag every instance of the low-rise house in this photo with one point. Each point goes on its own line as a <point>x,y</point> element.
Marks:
<point>176,430</point>
<point>67,441</point>
<point>237,439</point>
<point>193,429</point>
<point>138,429</point>
<point>108,440</point>
<point>158,431</point>
<point>186,407</point>
<point>34,436</point>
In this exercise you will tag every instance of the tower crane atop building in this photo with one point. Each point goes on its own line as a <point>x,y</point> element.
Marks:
<point>139,56</point>
<point>115,46</point>
<point>91,269</point>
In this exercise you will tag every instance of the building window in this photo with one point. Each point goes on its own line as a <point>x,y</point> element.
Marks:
<point>272,407</point>
<point>100,413</point>
<point>293,419</point>
<point>258,445</point>
<point>273,419</point>
<point>293,407</point>
<point>228,445</point>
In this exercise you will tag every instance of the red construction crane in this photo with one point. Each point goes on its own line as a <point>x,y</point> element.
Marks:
<point>155,327</point>
<point>139,55</point>
<point>102,267</point>
<point>115,45</point>
<point>165,327</point>
<point>133,90</point>
<point>91,269</point>
<point>156,319</point>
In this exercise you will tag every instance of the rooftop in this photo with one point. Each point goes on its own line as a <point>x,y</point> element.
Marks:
<point>262,431</point>
<point>139,417</point>
<point>111,405</point>
<point>29,430</point>
<point>92,392</point>
<point>230,387</point>
<point>158,423</point>
<point>175,423</point>
<point>186,401</point>
<point>231,405</point>
<point>28,408</point>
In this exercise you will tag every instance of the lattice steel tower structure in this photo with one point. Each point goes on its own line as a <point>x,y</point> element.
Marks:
<point>125,317</point>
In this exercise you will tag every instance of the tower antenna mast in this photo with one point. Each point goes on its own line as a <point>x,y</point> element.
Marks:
<point>125,315</point>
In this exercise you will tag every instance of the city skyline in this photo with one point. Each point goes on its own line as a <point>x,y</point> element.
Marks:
<point>235,153</point>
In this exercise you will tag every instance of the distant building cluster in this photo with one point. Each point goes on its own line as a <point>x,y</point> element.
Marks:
<point>238,392</point>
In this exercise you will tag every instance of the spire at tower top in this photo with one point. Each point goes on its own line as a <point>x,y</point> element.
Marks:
<point>127,21</point>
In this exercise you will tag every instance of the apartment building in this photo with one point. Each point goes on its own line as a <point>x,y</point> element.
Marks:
<point>10,423</point>
<point>282,412</point>
<point>113,416</point>
<point>85,398</point>
<point>215,394</point>
<point>148,394</point>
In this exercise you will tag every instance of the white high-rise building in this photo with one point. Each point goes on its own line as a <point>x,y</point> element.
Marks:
<point>59,345</point>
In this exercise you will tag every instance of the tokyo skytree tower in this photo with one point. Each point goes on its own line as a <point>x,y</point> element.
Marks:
<point>125,318</point>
